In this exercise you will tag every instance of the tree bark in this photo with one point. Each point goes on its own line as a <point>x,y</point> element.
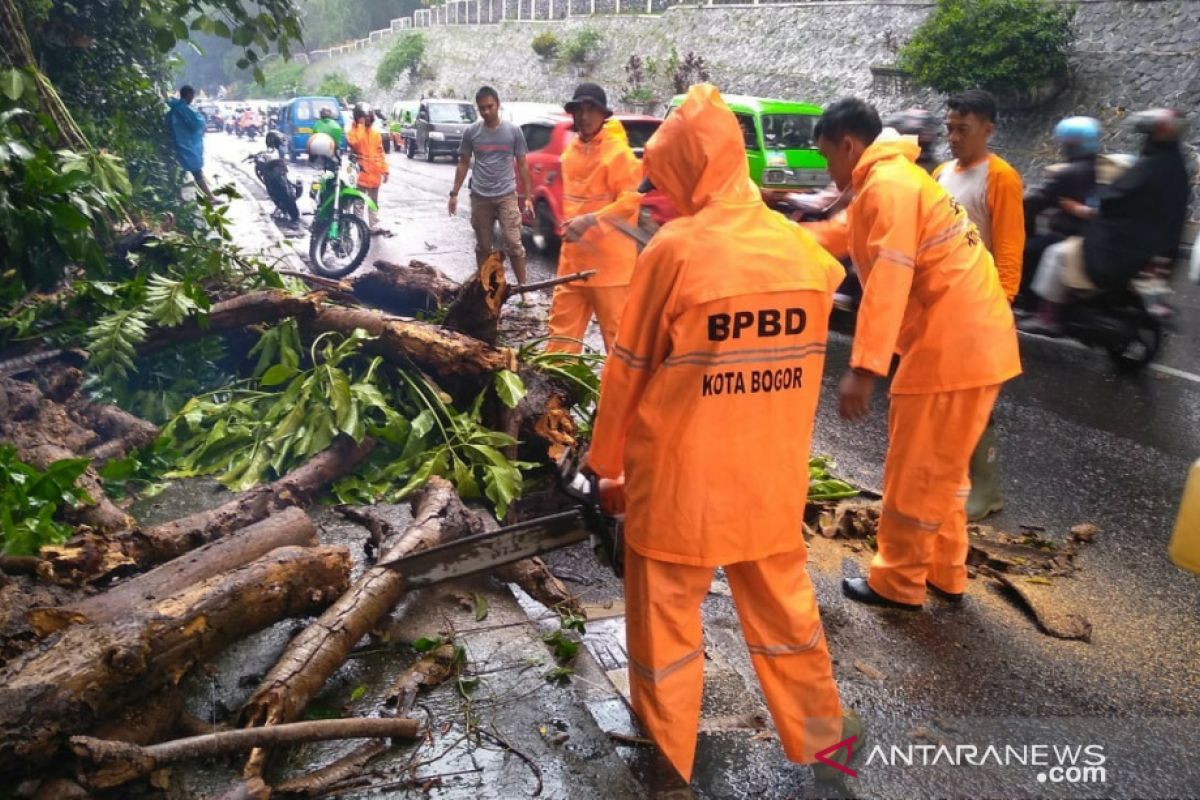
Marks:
<point>112,763</point>
<point>89,671</point>
<point>317,652</point>
<point>475,309</point>
<point>442,353</point>
<point>289,527</point>
<point>89,558</point>
<point>404,289</point>
<point>542,585</point>
<point>253,308</point>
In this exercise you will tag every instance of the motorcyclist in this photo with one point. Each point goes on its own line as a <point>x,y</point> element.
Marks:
<point>329,125</point>
<point>1139,219</point>
<point>249,119</point>
<point>1078,140</point>
<point>919,123</point>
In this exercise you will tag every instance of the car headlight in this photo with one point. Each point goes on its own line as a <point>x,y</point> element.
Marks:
<point>437,136</point>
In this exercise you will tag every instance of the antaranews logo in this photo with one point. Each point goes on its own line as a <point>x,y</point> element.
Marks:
<point>1070,764</point>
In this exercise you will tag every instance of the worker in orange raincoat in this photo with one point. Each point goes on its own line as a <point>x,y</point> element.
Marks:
<point>600,177</point>
<point>706,407</point>
<point>367,145</point>
<point>932,294</point>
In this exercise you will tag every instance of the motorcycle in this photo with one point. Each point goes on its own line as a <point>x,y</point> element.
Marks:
<point>251,131</point>
<point>340,237</point>
<point>272,171</point>
<point>1117,321</point>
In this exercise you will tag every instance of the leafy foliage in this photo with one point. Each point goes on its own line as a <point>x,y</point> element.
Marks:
<point>581,371</point>
<point>405,56</point>
<point>546,45</point>
<point>822,485</point>
<point>335,84</point>
<point>30,498</point>
<point>280,79</point>
<point>685,73</point>
<point>289,413</point>
<point>582,48</point>
<point>998,45</point>
<point>54,204</point>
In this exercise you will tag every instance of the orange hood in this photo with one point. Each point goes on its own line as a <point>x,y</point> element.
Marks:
<point>697,157</point>
<point>888,144</point>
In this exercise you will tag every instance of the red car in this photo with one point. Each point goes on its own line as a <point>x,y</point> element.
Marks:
<point>546,139</point>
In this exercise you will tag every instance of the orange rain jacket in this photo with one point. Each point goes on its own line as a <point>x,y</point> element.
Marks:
<point>930,290</point>
<point>995,201</point>
<point>601,177</point>
<point>366,143</point>
<point>707,401</point>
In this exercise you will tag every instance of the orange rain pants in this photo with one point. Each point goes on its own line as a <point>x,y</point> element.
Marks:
<point>782,626</point>
<point>922,535</point>
<point>572,309</point>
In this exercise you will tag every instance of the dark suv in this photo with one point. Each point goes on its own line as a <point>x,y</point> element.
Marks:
<point>438,129</point>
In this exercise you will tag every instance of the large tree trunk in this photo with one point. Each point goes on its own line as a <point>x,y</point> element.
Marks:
<point>475,310</point>
<point>289,527</point>
<point>88,558</point>
<point>318,652</point>
<point>90,671</point>
<point>253,308</point>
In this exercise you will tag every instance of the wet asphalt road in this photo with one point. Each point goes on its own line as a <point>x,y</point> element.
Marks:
<point>1078,443</point>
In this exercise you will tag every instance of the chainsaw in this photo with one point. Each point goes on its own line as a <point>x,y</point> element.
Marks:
<point>486,551</point>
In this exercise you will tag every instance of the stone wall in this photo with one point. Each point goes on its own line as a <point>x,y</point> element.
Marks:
<point>1129,54</point>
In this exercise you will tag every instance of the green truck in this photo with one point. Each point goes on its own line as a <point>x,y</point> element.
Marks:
<point>778,135</point>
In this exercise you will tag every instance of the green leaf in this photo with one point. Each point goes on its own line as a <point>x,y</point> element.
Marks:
<point>12,84</point>
<point>427,643</point>
<point>466,685</point>
<point>277,375</point>
<point>481,607</point>
<point>359,692</point>
<point>509,387</point>
<point>559,675</point>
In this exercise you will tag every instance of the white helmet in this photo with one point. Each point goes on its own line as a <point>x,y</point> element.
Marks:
<point>321,145</point>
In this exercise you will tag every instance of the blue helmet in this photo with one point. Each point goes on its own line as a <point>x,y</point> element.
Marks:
<point>1078,136</point>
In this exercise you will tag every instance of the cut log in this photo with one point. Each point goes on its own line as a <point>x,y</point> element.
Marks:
<point>405,289</point>
<point>89,671</point>
<point>123,431</point>
<point>542,585</point>
<point>475,310</point>
<point>315,654</point>
<point>289,527</point>
<point>112,763</point>
<point>152,720</point>
<point>89,558</point>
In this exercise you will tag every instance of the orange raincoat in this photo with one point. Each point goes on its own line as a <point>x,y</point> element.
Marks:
<point>707,405</point>
<point>600,177</point>
<point>932,294</point>
<point>366,143</point>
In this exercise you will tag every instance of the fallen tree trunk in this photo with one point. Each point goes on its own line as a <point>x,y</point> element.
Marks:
<point>112,763</point>
<point>289,527</point>
<point>317,652</point>
<point>88,558</point>
<point>253,308</point>
<point>90,671</point>
<point>150,721</point>
<point>442,353</point>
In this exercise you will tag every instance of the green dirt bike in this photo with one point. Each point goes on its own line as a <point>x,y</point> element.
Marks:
<point>340,236</point>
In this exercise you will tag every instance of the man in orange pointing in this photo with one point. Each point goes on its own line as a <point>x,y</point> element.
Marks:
<point>931,294</point>
<point>726,322</point>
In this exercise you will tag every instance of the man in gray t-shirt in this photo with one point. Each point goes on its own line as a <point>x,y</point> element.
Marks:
<point>494,145</point>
